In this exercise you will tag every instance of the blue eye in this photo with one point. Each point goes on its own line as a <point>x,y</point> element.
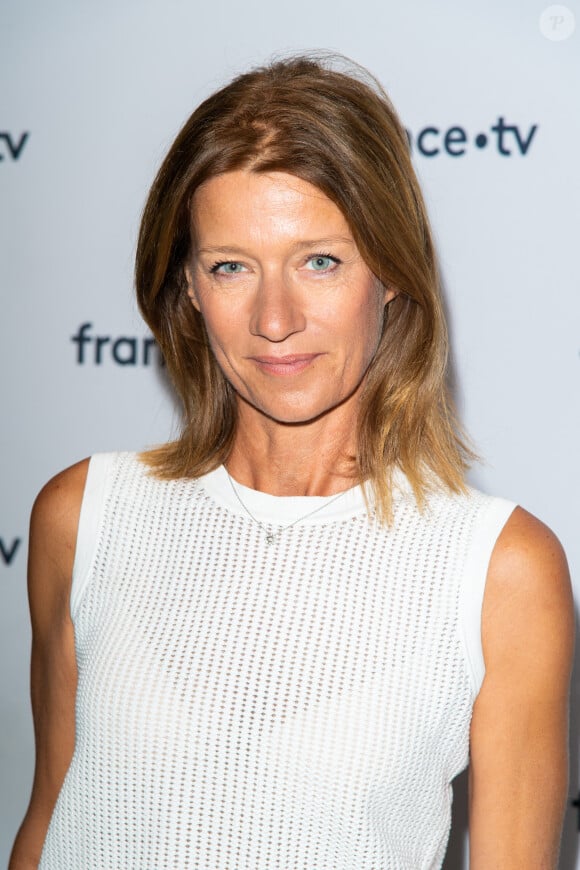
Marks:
<point>229,267</point>
<point>322,262</point>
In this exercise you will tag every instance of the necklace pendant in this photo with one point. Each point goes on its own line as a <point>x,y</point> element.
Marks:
<point>270,538</point>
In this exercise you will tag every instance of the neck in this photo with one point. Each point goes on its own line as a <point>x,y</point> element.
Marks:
<point>314,458</point>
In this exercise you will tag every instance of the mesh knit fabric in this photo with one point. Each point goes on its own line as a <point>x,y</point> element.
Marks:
<point>302,705</point>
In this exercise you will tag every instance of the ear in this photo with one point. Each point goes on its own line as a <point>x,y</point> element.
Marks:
<point>191,291</point>
<point>390,291</point>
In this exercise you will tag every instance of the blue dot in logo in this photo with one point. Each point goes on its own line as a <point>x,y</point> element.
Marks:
<point>481,140</point>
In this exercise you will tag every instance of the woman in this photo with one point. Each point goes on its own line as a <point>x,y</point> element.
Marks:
<point>283,650</point>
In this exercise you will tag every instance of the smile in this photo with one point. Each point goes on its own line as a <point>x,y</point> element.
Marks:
<point>292,364</point>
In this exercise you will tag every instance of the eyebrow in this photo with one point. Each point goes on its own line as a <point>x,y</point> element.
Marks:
<point>303,244</point>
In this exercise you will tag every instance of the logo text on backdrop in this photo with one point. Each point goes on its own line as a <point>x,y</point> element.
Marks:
<point>12,144</point>
<point>8,550</point>
<point>508,139</point>
<point>122,350</point>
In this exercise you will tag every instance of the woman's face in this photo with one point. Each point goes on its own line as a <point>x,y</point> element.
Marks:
<point>293,314</point>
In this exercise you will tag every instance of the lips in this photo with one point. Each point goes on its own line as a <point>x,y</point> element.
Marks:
<point>292,364</point>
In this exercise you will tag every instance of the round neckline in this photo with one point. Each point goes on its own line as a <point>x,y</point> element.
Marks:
<point>283,509</point>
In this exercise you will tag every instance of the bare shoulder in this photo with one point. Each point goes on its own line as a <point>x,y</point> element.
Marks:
<point>526,541</point>
<point>528,614</point>
<point>62,494</point>
<point>53,526</point>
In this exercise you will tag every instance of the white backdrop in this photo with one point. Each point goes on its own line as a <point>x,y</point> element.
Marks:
<point>93,94</point>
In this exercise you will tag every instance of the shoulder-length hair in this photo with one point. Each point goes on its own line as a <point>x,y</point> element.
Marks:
<point>338,131</point>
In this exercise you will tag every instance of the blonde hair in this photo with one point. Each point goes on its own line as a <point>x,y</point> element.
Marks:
<point>337,130</point>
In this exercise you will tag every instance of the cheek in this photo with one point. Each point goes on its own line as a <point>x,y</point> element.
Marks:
<point>223,332</point>
<point>219,339</point>
<point>216,315</point>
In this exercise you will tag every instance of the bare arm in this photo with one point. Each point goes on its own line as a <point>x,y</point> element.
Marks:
<point>519,733</point>
<point>53,530</point>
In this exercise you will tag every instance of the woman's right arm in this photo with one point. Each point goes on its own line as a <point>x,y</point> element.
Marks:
<point>53,677</point>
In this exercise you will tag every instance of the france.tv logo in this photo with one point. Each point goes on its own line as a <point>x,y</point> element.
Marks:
<point>509,140</point>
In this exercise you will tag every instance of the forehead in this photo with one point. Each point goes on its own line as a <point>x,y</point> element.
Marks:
<point>264,205</point>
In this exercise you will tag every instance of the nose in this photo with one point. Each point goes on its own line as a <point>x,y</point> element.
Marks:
<point>277,313</point>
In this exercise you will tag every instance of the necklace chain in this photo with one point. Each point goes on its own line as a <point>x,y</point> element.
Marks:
<point>272,536</point>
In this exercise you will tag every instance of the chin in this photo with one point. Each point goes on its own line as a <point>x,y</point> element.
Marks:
<point>296,414</point>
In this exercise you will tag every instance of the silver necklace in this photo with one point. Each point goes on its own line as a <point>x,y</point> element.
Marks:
<point>272,536</point>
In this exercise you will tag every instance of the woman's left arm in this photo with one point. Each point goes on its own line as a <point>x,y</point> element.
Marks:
<point>519,733</point>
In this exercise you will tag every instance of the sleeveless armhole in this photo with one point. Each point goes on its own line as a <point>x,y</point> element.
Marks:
<point>89,522</point>
<point>488,528</point>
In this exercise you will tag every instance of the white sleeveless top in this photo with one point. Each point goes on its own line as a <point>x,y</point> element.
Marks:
<point>300,705</point>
